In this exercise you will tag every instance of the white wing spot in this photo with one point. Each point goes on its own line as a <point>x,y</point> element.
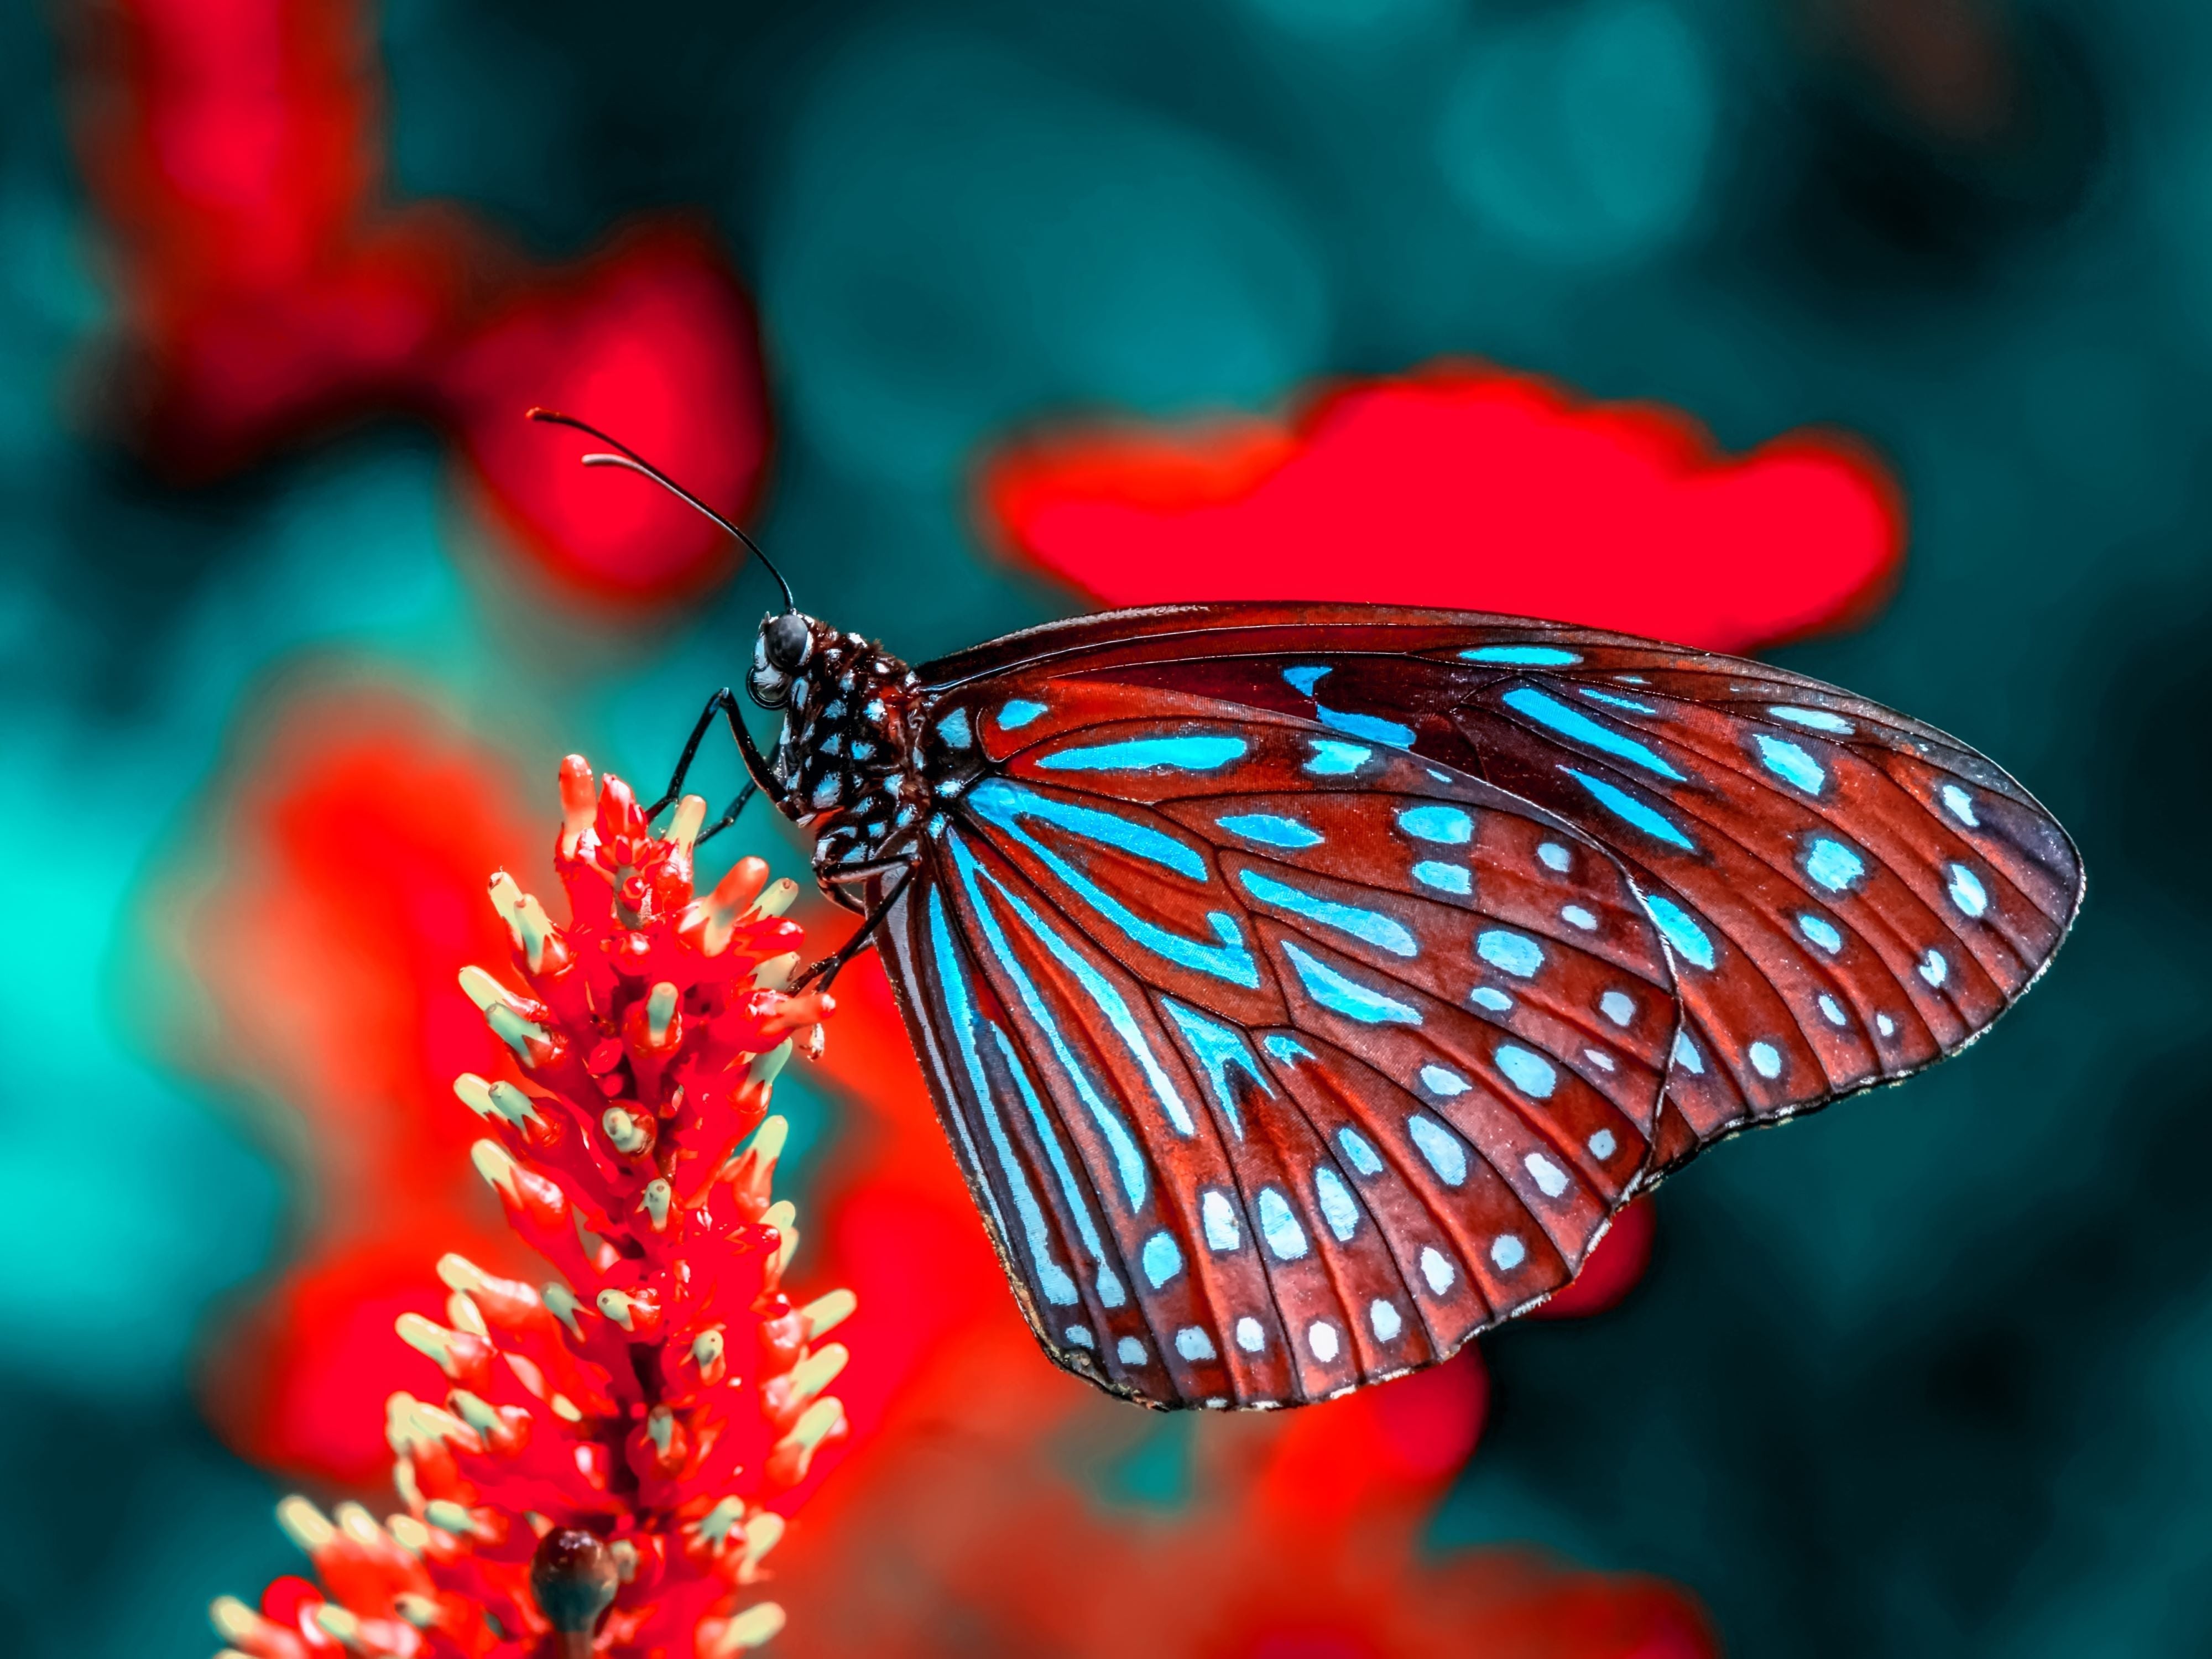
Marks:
<point>1617,1006</point>
<point>1575,916</point>
<point>1765,1060</point>
<point>1551,1180</point>
<point>1385,1319</point>
<point>1438,1271</point>
<point>1194,1344</point>
<point>1321,1338</point>
<point>1249,1335</point>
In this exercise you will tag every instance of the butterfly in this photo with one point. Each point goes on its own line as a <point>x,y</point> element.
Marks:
<point>1303,988</point>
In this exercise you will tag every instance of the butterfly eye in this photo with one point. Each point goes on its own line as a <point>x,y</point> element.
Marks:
<point>788,641</point>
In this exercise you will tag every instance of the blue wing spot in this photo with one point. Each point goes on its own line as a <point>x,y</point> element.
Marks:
<point>1578,727</point>
<point>1765,1060</point>
<point>1446,825</point>
<point>1833,1011</point>
<point>1302,680</point>
<point>1207,754</point>
<point>1440,1147</point>
<point>1218,1216</point>
<point>1228,960</point>
<point>1575,916</point>
<point>1109,1003</point>
<point>1813,719</point>
<point>1385,1319</point>
<point>1369,926</point>
<point>1348,996</point>
<point>1270,830</point>
<point>1336,1206</point>
<point>1371,726</point>
<point>1194,1344</point>
<point>1080,1336</point>
<point>1555,856</point>
<point>1053,1279</point>
<point>1933,969</point>
<point>1833,864</point>
<point>1016,713</point>
<point>1821,931</point>
<point>1687,1056</point>
<point>1529,1072</point>
<point>1444,877</point>
<point>1507,1252</point>
<point>1960,805</point>
<point>1442,1082</point>
<point>1611,701</point>
<point>1109,1284</point>
<point>1625,807</point>
<point>1688,938</point>
<point>1287,1049</point>
<point>954,729</point>
<point>1603,1145</point>
<point>1279,1226</point>
<point>1510,953</point>
<point>1163,1258</point>
<point>1523,656</point>
<point>1497,1001</point>
<point>1005,803</point>
<point>1617,1006</point>
<point>1968,892</point>
<point>1790,763</point>
<point>1218,1049</point>
<point>1130,1351</point>
<point>1364,1159</point>
<point>1332,759</point>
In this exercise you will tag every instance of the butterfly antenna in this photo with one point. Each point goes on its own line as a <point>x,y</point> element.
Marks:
<point>630,460</point>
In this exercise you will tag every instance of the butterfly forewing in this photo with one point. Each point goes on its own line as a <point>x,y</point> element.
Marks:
<point>1324,1057</point>
<point>1305,989</point>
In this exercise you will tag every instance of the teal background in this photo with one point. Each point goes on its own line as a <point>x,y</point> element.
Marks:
<point>1931,1375</point>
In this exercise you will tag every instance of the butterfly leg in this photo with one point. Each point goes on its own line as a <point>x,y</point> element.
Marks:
<point>821,974</point>
<point>757,767</point>
<point>730,815</point>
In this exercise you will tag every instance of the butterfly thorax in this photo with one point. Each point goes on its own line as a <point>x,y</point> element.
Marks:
<point>851,763</point>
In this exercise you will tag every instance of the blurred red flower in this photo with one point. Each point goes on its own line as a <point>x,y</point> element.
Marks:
<point>1468,488</point>
<point>269,292</point>
<point>332,895</point>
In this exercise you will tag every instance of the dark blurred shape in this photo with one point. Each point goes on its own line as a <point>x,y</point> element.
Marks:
<point>270,294</point>
<point>1934,135</point>
<point>572,1576</point>
<point>1468,488</point>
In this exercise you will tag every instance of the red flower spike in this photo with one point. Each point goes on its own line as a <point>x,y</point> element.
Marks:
<point>612,1458</point>
<point>1465,487</point>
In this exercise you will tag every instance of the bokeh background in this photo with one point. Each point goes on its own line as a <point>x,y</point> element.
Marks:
<point>295,619</point>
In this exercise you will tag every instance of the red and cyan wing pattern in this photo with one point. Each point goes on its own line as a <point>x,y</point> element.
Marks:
<point>1845,896</point>
<point>1275,1073</point>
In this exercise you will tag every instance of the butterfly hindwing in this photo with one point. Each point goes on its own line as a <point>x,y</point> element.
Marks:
<point>1281,1062</point>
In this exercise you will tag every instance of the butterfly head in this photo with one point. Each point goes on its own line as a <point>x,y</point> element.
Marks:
<point>785,646</point>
